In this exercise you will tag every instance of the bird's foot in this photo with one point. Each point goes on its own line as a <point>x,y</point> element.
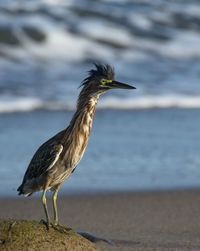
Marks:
<point>61,229</point>
<point>46,223</point>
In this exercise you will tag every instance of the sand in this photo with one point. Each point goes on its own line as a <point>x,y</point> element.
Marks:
<point>134,221</point>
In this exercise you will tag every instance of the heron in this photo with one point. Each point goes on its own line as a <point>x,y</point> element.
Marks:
<point>56,159</point>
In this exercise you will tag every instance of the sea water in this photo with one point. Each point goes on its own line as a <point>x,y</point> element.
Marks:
<point>47,47</point>
<point>127,151</point>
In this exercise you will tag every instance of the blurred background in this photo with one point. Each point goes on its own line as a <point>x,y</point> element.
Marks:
<point>146,139</point>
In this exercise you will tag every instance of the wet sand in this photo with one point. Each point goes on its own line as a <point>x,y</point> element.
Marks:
<point>133,221</point>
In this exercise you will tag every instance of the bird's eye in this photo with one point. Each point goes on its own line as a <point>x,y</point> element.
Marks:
<point>105,81</point>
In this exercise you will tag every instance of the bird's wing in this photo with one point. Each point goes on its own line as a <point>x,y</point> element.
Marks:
<point>43,160</point>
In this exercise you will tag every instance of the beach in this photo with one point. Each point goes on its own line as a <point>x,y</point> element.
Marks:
<point>167,220</point>
<point>138,183</point>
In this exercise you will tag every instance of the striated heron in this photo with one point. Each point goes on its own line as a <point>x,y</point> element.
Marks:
<point>58,157</point>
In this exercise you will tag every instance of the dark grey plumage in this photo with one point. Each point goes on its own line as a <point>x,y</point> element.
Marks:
<point>57,158</point>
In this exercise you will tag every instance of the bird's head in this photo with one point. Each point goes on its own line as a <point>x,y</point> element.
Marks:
<point>102,79</point>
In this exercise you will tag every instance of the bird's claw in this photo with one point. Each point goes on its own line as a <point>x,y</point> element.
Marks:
<point>61,229</point>
<point>47,224</point>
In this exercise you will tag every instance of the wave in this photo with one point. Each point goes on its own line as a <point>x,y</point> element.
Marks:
<point>20,104</point>
<point>27,104</point>
<point>44,31</point>
<point>33,43</point>
<point>150,101</point>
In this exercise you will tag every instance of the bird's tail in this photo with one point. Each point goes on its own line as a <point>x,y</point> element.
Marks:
<point>21,191</point>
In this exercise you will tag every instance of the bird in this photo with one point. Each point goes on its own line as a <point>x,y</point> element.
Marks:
<point>56,159</point>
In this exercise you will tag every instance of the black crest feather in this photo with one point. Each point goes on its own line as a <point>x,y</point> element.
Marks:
<point>101,71</point>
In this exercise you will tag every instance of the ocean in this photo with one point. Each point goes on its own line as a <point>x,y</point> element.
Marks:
<point>143,139</point>
<point>128,150</point>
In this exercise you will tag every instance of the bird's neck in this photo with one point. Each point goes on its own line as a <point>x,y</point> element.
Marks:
<point>77,133</point>
<point>81,123</point>
<point>85,112</point>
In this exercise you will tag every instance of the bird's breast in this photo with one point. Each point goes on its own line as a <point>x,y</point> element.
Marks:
<point>79,138</point>
<point>79,149</point>
<point>75,150</point>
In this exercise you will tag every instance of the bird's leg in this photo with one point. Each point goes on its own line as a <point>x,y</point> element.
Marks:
<point>44,202</point>
<point>55,210</point>
<point>56,226</point>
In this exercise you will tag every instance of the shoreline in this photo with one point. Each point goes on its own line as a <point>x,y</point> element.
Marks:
<point>63,192</point>
<point>161,220</point>
<point>68,193</point>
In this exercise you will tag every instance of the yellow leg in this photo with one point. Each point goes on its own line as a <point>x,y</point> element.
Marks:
<point>56,226</point>
<point>55,207</point>
<point>44,202</point>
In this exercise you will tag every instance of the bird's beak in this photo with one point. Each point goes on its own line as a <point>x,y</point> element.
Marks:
<point>116,84</point>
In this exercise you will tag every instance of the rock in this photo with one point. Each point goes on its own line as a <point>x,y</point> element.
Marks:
<point>22,235</point>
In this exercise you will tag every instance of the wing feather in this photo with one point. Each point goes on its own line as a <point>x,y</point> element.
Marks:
<point>43,160</point>
<point>60,148</point>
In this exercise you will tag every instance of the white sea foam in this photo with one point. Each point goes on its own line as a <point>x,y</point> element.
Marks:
<point>25,104</point>
<point>114,34</point>
<point>22,104</point>
<point>62,44</point>
<point>59,44</point>
<point>150,101</point>
<point>184,45</point>
<point>58,2</point>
